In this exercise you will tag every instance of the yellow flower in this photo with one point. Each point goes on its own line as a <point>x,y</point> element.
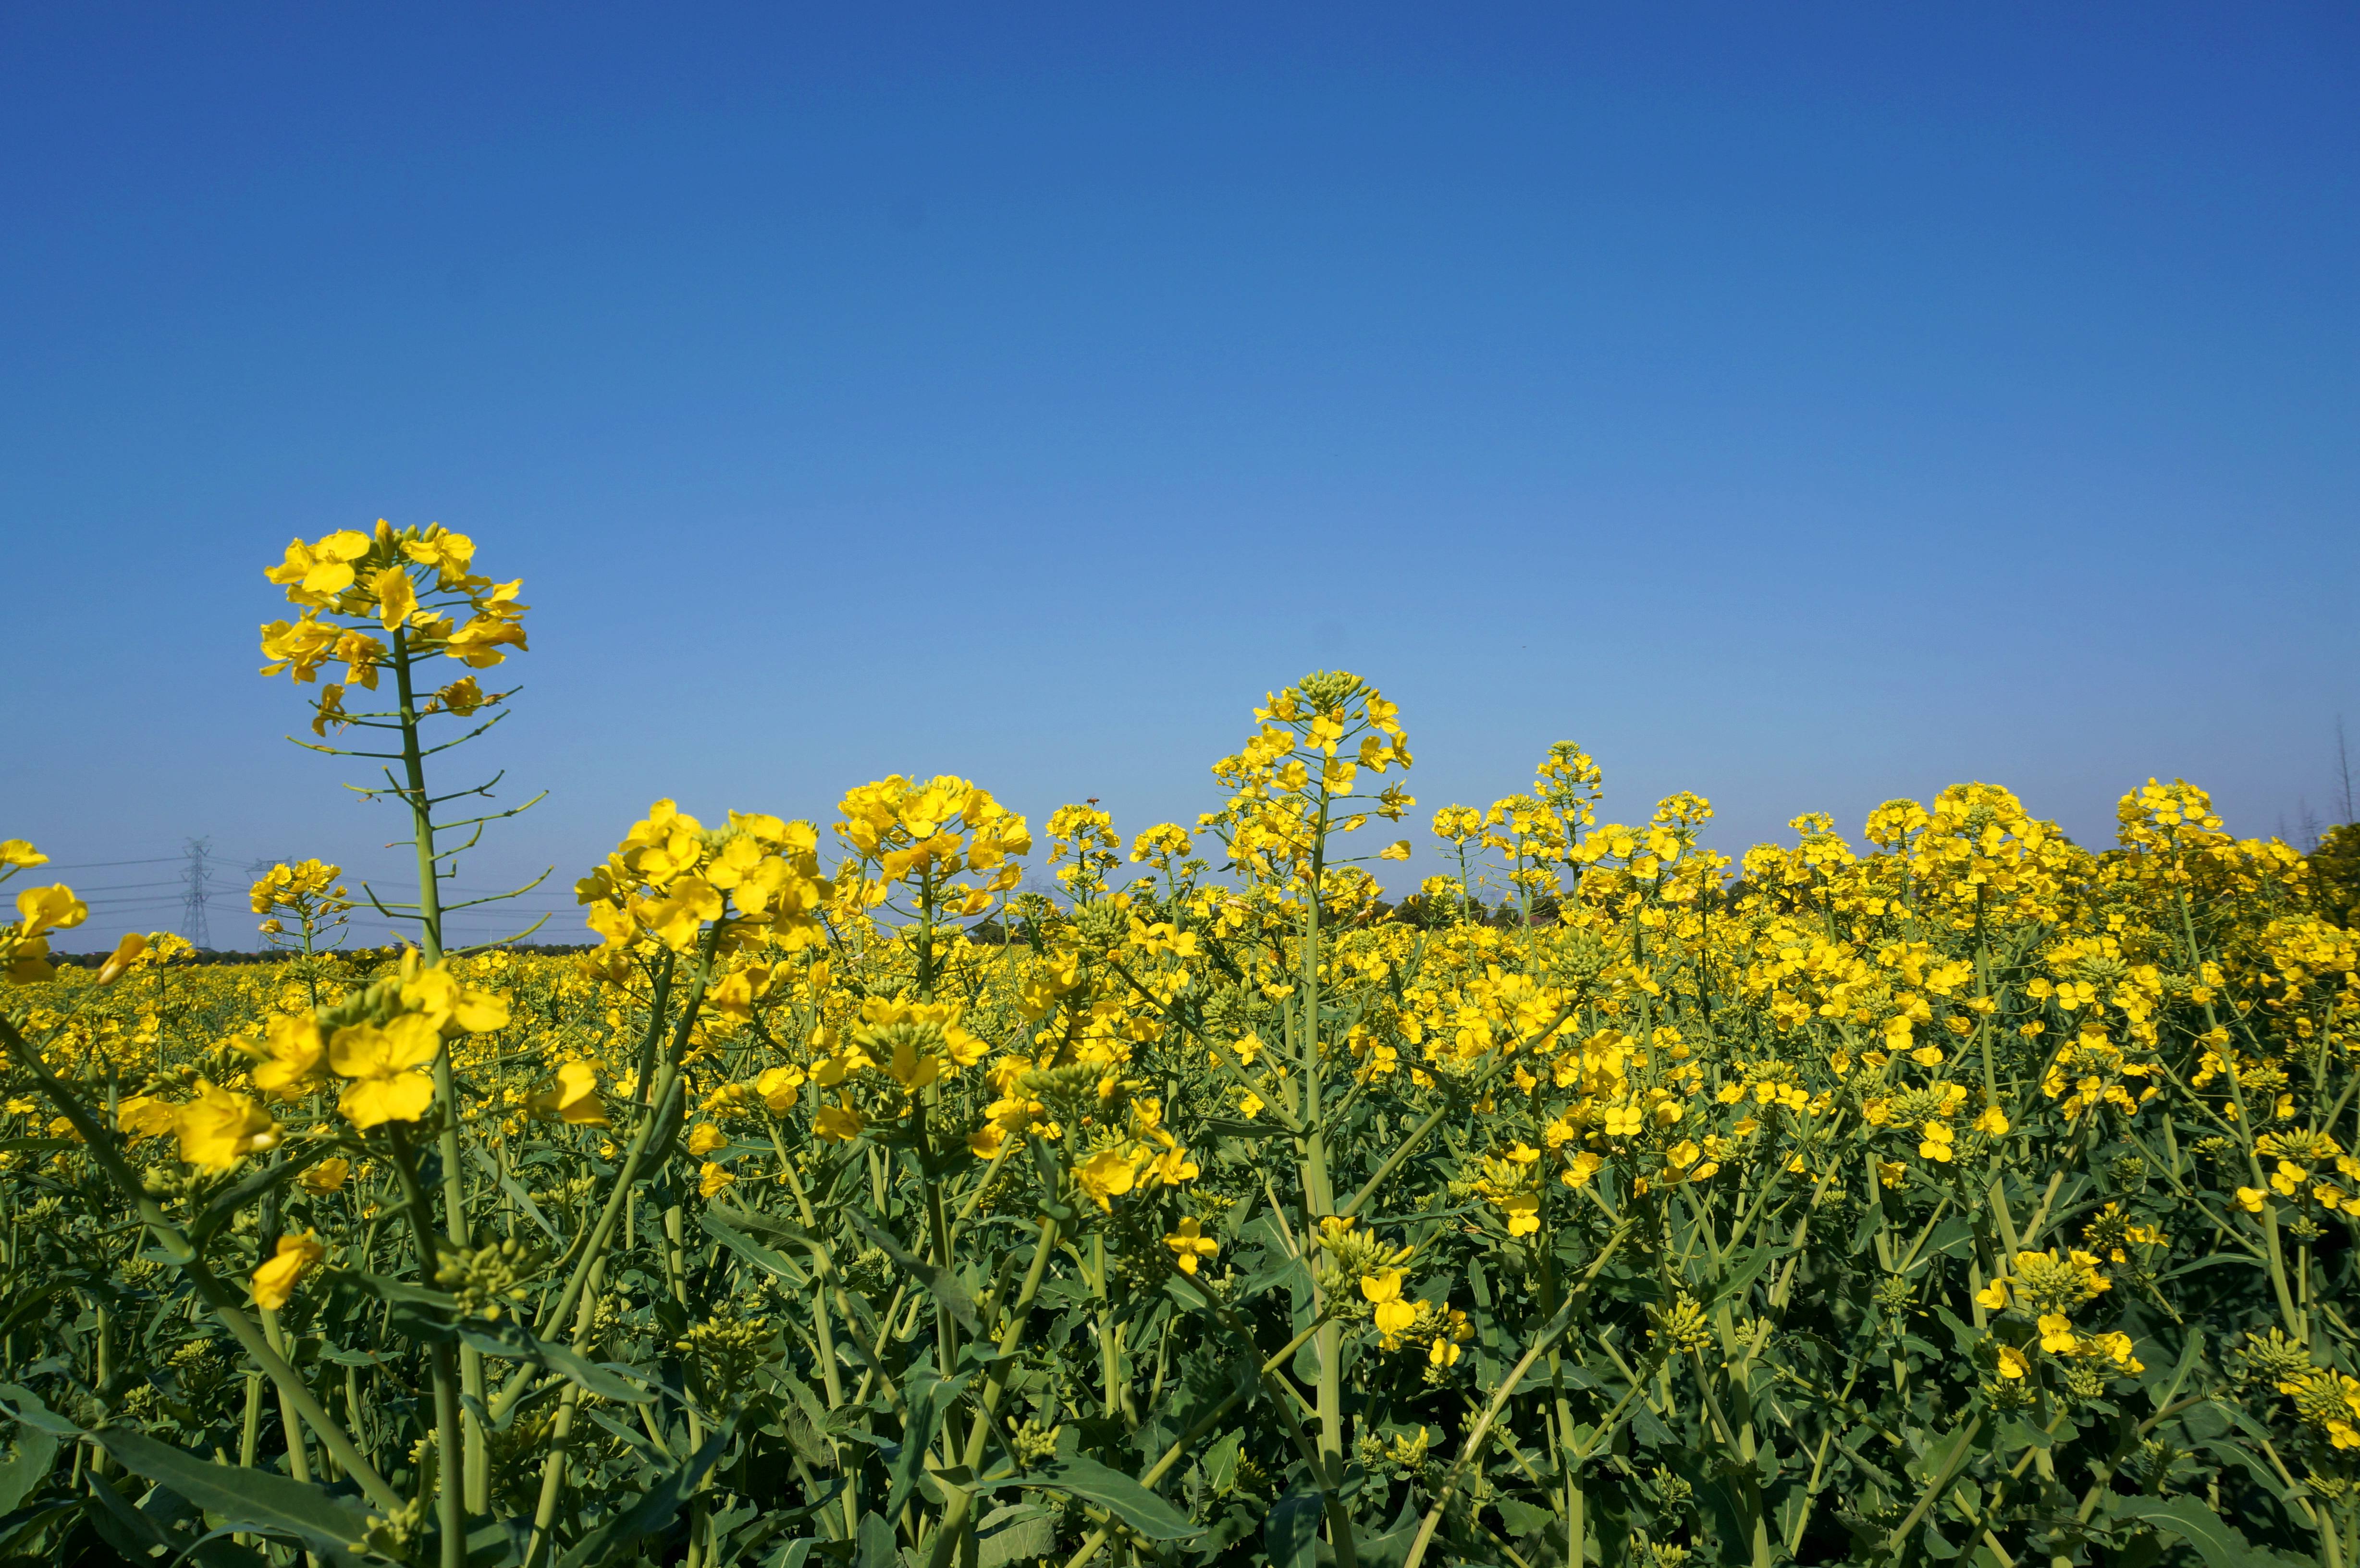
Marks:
<point>318,571</point>
<point>1190,1244</point>
<point>704,1137</point>
<point>126,953</point>
<point>1106,1175</point>
<point>218,1128</point>
<point>836,1123</point>
<point>2012,1363</point>
<point>446,552</point>
<point>328,1176</point>
<point>294,1055</point>
<point>1993,1296</point>
<point>49,908</point>
<point>1936,1146</point>
<point>1383,1291</point>
<point>384,1063</point>
<point>911,1068</point>
<point>438,994</point>
<point>1993,1121</point>
<point>143,1116</point>
<point>779,1088</point>
<point>2055,1332</point>
<point>1524,1211</point>
<point>1582,1167</point>
<point>397,596</point>
<point>2117,1347</point>
<point>711,1179</point>
<point>274,1281</point>
<point>1171,1167</point>
<point>573,1099</point>
<point>2250,1199</point>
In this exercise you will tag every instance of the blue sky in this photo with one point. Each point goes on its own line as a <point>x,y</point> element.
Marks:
<point>1807,405</point>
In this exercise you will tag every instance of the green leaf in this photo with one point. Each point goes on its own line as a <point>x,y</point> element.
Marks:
<point>2219,1542</point>
<point>225,1205</point>
<point>1219,1463</point>
<point>753,1251</point>
<point>515,1342</point>
<point>27,1407</point>
<point>260,1499</point>
<point>875,1544</point>
<point>937,1280</point>
<point>2214,1261</point>
<point>1112,1490</point>
<point>1522,1518</point>
<point>623,1535</point>
<point>515,1189</point>
<point>924,1397</point>
<point>670,1118</point>
<point>396,1293</point>
<point>1741,1273</point>
<point>23,1308</point>
<point>1014,1534</point>
<point>134,1535</point>
<point>1223,1127</point>
<point>770,1225</point>
<point>26,1468</point>
<point>1290,1536</point>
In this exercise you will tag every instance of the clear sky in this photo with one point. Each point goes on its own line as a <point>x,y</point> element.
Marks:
<point>1806,405</point>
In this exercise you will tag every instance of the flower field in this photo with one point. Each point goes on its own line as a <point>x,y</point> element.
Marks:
<point>1954,1193</point>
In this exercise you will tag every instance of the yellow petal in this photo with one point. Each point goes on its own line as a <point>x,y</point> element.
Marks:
<point>370,1102</point>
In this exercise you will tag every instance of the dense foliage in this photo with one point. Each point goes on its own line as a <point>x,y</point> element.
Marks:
<point>1957,1194</point>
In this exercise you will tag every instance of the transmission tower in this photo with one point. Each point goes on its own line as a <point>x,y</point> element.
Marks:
<point>194,924</point>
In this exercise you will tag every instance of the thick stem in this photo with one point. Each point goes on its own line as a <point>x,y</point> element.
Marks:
<point>450,1438</point>
<point>446,1093</point>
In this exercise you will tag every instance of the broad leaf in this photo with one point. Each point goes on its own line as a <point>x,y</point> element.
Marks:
<point>262,1499</point>
<point>515,1342</point>
<point>2219,1542</point>
<point>1291,1534</point>
<point>938,1281</point>
<point>626,1533</point>
<point>1112,1490</point>
<point>754,1252</point>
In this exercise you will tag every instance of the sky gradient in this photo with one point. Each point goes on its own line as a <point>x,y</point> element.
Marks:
<point>1805,405</point>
